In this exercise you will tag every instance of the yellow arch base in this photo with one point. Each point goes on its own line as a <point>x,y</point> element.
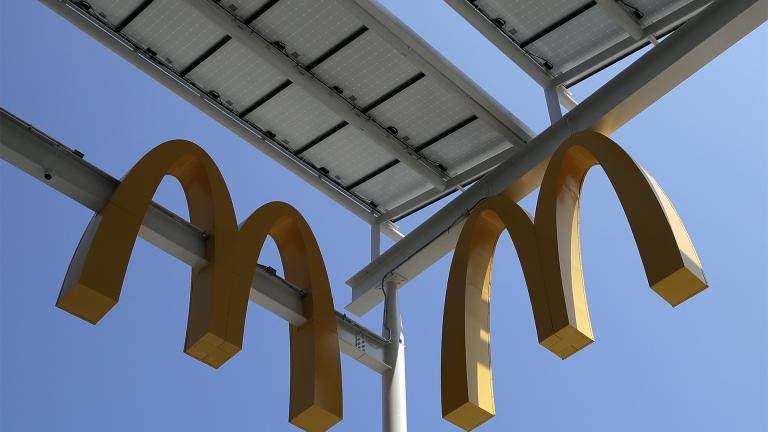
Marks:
<point>550,256</point>
<point>219,296</point>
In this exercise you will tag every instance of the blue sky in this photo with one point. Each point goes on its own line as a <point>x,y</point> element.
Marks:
<point>702,366</point>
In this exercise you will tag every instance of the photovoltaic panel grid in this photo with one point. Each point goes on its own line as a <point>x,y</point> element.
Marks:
<point>333,47</point>
<point>573,39</point>
<point>428,134</point>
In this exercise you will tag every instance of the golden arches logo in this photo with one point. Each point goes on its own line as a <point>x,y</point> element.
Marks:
<point>549,252</point>
<point>550,256</point>
<point>219,295</point>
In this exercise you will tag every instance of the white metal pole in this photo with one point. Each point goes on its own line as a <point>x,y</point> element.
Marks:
<point>393,406</point>
<point>553,104</point>
<point>375,240</point>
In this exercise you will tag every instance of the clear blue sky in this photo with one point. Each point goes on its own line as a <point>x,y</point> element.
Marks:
<point>701,366</point>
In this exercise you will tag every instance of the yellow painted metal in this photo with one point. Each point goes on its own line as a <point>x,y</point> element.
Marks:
<point>219,296</point>
<point>550,256</point>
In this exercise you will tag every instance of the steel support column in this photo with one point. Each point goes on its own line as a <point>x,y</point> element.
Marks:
<point>553,104</point>
<point>654,74</point>
<point>375,240</point>
<point>393,400</point>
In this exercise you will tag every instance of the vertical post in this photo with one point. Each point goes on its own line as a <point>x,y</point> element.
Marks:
<point>553,104</point>
<point>375,240</point>
<point>393,413</point>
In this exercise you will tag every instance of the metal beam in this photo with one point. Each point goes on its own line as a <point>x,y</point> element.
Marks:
<point>394,412</point>
<point>265,50</point>
<point>566,98</point>
<point>422,55</point>
<point>552,99</point>
<point>649,78</point>
<point>198,99</point>
<point>62,169</point>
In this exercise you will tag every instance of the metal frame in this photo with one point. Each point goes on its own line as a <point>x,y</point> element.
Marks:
<point>209,105</point>
<point>534,67</point>
<point>515,171</point>
<point>64,170</point>
<point>629,45</point>
<point>676,58</point>
<point>374,18</point>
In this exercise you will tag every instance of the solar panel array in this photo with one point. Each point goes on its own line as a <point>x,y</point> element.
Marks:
<point>427,130</point>
<point>322,38</point>
<point>560,35</point>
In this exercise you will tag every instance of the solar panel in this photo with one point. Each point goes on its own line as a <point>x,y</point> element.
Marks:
<point>452,151</point>
<point>245,9</point>
<point>524,19</point>
<point>411,111</point>
<point>308,28</point>
<point>579,38</point>
<point>348,155</point>
<point>231,71</point>
<point>392,187</point>
<point>115,11</point>
<point>366,69</point>
<point>420,111</point>
<point>294,117</point>
<point>174,31</point>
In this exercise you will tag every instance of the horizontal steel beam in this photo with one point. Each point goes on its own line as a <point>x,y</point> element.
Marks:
<point>649,78</point>
<point>59,167</point>
<point>265,50</point>
<point>198,99</point>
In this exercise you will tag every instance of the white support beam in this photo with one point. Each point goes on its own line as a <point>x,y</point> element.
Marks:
<point>552,98</point>
<point>566,98</point>
<point>59,167</point>
<point>97,30</point>
<point>375,241</point>
<point>265,50</point>
<point>502,41</point>
<point>657,72</point>
<point>433,64</point>
<point>627,22</point>
<point>394,413</point>
<point>391,229</point>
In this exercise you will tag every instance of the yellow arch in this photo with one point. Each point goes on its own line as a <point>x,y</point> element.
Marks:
<point>219,295</point>
<point>549,251</point>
